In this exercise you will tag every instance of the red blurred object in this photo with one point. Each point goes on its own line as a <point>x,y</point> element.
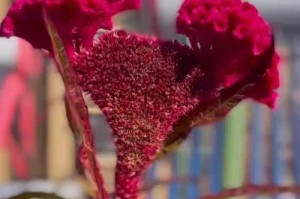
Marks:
<point>17,100</point>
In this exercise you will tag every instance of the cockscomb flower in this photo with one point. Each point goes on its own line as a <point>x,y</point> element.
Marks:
<point>76,21</point>
<point>226,34</point>
<point>234,46</point>
<point>153,92</point>
<point>143,86</point>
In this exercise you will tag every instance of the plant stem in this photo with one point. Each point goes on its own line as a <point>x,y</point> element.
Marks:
<point>234,149</point>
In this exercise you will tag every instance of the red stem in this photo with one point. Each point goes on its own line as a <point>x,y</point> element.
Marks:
<point>127,187</point>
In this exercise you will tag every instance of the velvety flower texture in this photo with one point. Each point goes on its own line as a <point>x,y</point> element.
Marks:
<point>75,20</point>
<point>153,92</point>
<point>235,48</point>
<point>143,86</point>
<point>229,37</point>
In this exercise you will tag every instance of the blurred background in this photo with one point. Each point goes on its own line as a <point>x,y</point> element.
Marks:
<point>252,145</point>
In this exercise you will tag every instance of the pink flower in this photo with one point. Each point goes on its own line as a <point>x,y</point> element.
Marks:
<point>235,48</point>
<point>229,37</point>
<point>75,20</point>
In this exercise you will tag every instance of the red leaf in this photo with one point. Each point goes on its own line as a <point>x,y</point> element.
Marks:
<point>77,111</point>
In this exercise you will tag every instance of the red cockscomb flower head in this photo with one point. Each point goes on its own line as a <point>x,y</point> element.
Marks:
<point>76,21</point>
<point>143,86</point>
<point>234,46</point>
<point>153,92</point>
<point>229,37</point>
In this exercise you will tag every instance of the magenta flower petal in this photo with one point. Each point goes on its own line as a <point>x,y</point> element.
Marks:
<point>228,36</point>
<point>75,20</point>
<point>116,6</point>
<point>25,20</point>
<point>264,90</point>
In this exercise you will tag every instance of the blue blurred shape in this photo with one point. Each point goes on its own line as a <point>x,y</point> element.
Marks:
<point>217,158</point>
